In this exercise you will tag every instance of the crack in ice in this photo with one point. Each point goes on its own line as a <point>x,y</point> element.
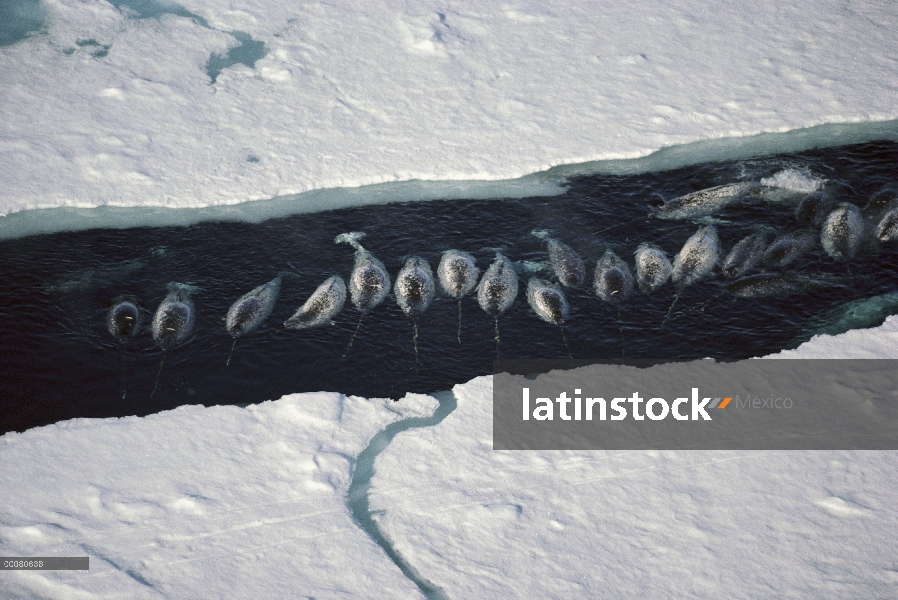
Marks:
<point>360,484</point>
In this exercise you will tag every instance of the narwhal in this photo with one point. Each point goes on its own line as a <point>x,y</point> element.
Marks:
<point>705,202</point>
<point>567,265</point>
<point>173,321</point>
<point>497,290</point>
<point>414,290</point>
<point>696,259</point>
<point>322,306</point>
<point>123,322</point>
<point>123,318</point>
<point>813,208</point>
<point>613,278</point>
<point>613,283</point>
<point>747,254</point>
<point>653,268</point>
<point>251,310</point>
<point>857,314</point>
<point>763,285</point>
<point>84,280</point>
<point>458,275</point>
<point>887,228</point>
<point>369,282</point>
<point>789,247</point>
<point>842,231</point>
<point>549,303</point>
<point>883,200</point>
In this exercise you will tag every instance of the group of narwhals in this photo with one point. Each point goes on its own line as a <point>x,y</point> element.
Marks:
<point>840,228</point>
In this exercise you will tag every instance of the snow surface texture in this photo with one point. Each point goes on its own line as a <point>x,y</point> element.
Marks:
<point>252,502</point>
<point>105,108</point>
<point>220,502</point>
<point>879,342</point>
<point>485,524</point>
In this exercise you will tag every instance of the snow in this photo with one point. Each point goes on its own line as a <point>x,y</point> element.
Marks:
<point>878,342</point>
<point>199,502</point>
<point>353,94</point>
<point>551,524</point>
<point>422,101</point>
<point>238,502</point>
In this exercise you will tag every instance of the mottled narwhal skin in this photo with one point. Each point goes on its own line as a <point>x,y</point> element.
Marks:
<point>857,314</point>
<point>613,278</point>
<point>123,322</point>
<point>414,287</point>
<point>653,268</point>
<point>704,202</point>
<point>746,255</point>
<point>697,258</point>
<point>84,280</point>
<point>887,228</point>
<point>547,301</point>
<point>322,306</point>
<point>252,308</point>
<point>499,286</point>
<point>882,209</point>
<point>842,232</point>
<point>762,285</point>
<point>123,318</point>
<point>813,208</point>
<point>369,282</point>
<point>884,200</point>
<point>457,273</point>
<point>568,266</point>
<point>787,248</point>
<point>175,317</point>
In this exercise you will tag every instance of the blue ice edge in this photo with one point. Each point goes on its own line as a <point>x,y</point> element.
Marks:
<point>545,183</point>
<point>360,483</point>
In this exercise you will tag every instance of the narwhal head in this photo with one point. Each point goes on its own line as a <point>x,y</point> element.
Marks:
<point>124,319</point>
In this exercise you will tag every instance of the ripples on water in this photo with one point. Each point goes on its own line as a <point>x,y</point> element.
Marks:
<point>60,362</point>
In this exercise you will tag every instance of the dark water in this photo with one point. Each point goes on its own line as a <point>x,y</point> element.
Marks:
<point>58,361</point>
<point>247,53</point>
